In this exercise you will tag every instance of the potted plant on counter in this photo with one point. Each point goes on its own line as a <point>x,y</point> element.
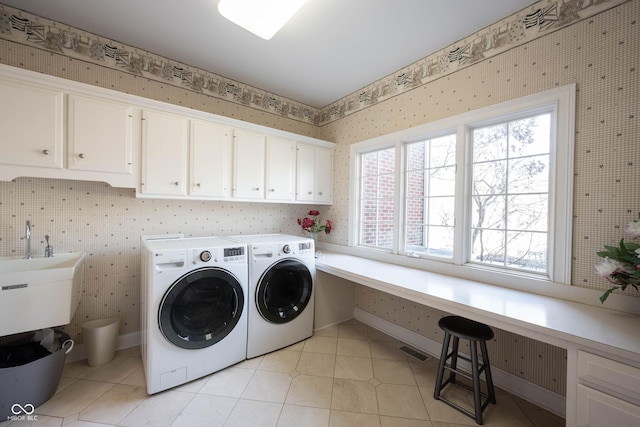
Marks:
<point>313,226</point>
<point>621,265</point>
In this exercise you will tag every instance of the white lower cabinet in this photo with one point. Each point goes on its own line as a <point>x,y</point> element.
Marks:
<point>165,142</point>
<point>597,409</point>
<point>602,391</point>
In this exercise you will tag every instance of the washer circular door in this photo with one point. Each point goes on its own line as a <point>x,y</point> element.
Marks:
<point>284,290</point>
<point>201,308</point>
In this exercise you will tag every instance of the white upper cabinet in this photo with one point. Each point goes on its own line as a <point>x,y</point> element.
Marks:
<point>50,128</point>
<point>57,128</point>
<point>31,125</point>
<point>165,142</point>
<point>314,175</point>
<point>249,164</point>
<point>210,159</point>
<point>280,167</point>
<point>100,135</point>
<point>324,175</point>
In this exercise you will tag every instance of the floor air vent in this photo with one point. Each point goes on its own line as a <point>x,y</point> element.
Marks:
<point>416,354</point>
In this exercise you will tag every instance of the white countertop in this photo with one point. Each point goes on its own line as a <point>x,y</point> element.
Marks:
<point>552,320</point>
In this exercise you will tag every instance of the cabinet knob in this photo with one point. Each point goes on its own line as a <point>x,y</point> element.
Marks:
<point>198,185</point>
<point>272,190</point>
<point>81,155</point>
<point>257,189</point>
<point>320,193</point>
<point>176,183</point>
<point>45,152</point>
<point>310,193</point>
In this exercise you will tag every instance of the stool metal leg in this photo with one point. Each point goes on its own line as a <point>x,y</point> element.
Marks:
<point>487,372</point>
<point>443,360</point>
<point>477,403</point>
<point>454,360</point>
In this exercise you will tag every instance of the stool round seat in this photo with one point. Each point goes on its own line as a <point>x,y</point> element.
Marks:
<point>465,328</point>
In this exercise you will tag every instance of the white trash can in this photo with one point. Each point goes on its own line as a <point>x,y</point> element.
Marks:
<point>99,337</point>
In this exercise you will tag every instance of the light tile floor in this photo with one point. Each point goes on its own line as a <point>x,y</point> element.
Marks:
<point>346,375</point>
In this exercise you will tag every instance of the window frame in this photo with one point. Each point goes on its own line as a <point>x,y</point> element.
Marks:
<point>561,102</point>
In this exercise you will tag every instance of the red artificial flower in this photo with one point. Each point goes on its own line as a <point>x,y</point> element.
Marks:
<point>313,225</point>
<point>307,223</point>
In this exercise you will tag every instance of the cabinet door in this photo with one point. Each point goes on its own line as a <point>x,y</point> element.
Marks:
<point>210,162</point>
<point>324,174</point>
<point>165,139</point>
<point>598,409</point>
<point>100,135</point>
<point>249,163</point>
<point>280,164</point>
<point>305,172</point>
<point>31,122</point>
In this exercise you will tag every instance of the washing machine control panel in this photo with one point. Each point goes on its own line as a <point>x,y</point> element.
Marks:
<point>205,256</point>
<point>213,255</point>
<point>305,246</point>
<point>235,255</point>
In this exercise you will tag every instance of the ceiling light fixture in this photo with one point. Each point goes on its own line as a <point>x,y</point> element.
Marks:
<point>261,17</point>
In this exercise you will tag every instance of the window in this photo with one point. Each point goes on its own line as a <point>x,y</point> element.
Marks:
<point>430,191</point>
<point>510,193</point>
<point>486,194</point>
<point>377,198</point>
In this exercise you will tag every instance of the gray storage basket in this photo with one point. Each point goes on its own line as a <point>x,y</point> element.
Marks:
<point>32,383</point>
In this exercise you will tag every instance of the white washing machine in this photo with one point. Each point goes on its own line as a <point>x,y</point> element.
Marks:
<point>194,308</point>
<point>281,291</point>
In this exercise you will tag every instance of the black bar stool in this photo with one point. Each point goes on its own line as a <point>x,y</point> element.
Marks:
<point>475,332</point>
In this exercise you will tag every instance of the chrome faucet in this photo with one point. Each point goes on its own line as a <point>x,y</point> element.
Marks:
<point>27,238</point>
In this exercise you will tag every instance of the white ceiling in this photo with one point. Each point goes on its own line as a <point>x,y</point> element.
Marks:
<point>330,48</point>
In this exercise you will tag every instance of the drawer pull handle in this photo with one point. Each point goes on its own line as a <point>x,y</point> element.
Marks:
<point>45,152</point>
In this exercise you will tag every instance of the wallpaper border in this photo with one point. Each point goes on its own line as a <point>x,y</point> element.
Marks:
<point>535,21</point>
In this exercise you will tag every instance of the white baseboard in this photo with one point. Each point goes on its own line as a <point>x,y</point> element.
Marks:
<point>535,394</point>
<point>123,342</point>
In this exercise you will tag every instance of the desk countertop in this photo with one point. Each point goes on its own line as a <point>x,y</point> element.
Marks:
<point>548,319</point>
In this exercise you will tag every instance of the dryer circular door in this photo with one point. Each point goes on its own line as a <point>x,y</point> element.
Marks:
<point>201,308</point>
<point>284,290</point>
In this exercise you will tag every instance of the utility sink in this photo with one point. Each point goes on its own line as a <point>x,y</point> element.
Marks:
<point>39,292</point>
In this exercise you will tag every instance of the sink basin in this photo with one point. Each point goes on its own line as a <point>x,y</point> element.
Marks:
<point>39,292</point>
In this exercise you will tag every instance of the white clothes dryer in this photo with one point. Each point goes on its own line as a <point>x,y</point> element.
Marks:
<point>281,291</point>
<point>194,308</point>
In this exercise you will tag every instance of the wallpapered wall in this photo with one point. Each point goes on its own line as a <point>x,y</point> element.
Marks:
<point>600,54</point>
